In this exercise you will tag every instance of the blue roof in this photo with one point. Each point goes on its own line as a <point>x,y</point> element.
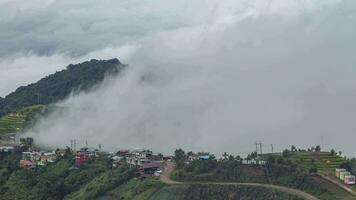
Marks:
<point>204,157</point>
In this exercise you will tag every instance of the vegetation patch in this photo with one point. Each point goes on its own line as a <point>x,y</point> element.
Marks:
<point>16,121</point>
<point>220,192</point>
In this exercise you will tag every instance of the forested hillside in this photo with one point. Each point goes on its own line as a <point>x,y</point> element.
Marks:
<point>98,180</point>
<point>55,87</point>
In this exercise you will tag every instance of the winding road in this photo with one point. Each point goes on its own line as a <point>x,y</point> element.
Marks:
<point>166,178</point>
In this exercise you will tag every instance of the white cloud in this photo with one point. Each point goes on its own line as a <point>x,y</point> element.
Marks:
<point>206,75</point>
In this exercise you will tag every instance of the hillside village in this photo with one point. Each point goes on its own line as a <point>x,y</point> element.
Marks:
<point>324,167</point>
<point>190,166</point>
<point>145,161</point>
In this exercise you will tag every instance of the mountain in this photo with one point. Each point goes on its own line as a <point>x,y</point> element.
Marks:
<point>75,78</point>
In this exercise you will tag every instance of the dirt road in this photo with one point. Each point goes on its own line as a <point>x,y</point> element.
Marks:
<point>166,178</point>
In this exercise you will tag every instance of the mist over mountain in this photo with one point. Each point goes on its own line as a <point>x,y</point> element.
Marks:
<point>58,86</point>
<point>203,75</point>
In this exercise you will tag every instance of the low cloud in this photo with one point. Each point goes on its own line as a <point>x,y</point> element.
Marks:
<point>213,76</point>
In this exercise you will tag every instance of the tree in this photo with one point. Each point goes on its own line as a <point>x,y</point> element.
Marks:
<point>238,158</point>
<point>225,156</point>
<point>179,155</point>
<point>285,153</point>
<point>190,153</point>
<point>26,143</point>
<point>293,148</point>
<point>270,159</point>
<point>317,148</point>
<point>332,152</point>
<point>346,165</point>
<point>313,170</point>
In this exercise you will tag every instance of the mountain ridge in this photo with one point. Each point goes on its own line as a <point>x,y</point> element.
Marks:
<point>52,88</point>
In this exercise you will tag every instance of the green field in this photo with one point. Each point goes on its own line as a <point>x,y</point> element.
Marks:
<point>220,192</point>
<point>15,122</point>
<point>323,161</point>
<point>137,189</point>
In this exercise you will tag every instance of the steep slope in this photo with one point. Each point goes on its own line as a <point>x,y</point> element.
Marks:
<point>17,121</point>
<point>55,87</point>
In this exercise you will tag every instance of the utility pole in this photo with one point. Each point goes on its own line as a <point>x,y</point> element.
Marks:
<point>75,144</point>
<point>256,144</point>
<point>86,143</point>
<point>260,148</point>
<point>322,142</point>
<point>272,148</point>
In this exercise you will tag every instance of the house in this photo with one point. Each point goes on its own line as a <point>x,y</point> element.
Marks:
<point>337,172</point>
<point>91,151</point>
<point>204,157</point>
<point>150,168</point>
<point>14,114</point>
<point>27,155</point>
<point>153,156</point>
<point>138,153</point>
<point>167,158</point>
<point>50,157</point>
<point>41,162</point>
<point>117,163</point>
<point>193,157</point>
<point>28,164</point>
<point>7,149</point>
<point>123,153</point>
<point>137,161</point>
<point>117,158</point>
<point>349,180</point>
<point>80,158</point>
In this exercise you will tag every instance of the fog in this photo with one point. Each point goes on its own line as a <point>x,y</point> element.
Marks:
<point>203,75</point>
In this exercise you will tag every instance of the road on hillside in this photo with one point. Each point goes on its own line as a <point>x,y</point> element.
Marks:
<point>338,183</point>
<point>166,178</point>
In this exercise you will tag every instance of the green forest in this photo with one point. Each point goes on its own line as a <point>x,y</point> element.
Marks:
<point>74,79</point>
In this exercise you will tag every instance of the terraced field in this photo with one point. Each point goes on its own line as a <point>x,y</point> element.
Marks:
<point>323,161</point>
<point>11,124</point>
<point>14,122</point>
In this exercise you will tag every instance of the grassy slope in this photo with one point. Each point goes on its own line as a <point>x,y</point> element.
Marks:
<point>137,190</point>
<point>338,193</point>
<point>14,124</point>
<point>323,161</point>
<point>219,192</point>
<point>153,189</point>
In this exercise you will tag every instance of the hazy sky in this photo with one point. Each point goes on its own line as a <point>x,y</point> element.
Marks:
<point>203,75</point>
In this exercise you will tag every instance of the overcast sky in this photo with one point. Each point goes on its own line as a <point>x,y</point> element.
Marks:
<point>218,75</point>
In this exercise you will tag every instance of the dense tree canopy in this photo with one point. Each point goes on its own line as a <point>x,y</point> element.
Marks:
<point>75,78</point>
